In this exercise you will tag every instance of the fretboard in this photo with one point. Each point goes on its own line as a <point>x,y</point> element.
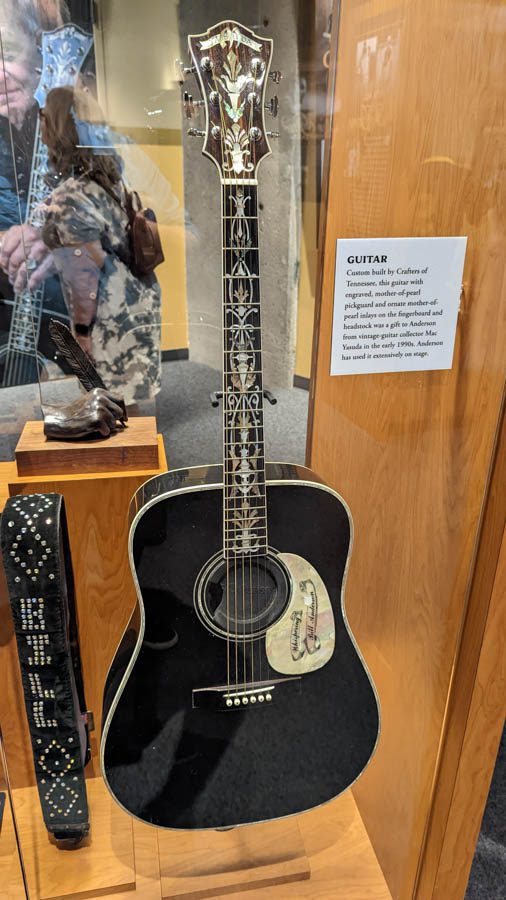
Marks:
<point>26,315</point>
<point>244,507</point>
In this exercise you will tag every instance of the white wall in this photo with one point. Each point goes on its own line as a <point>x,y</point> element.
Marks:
<point>136,44</point>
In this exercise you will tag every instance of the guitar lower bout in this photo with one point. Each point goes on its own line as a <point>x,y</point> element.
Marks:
<point>235,676</point>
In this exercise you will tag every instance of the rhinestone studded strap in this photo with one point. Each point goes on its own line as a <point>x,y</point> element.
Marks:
<point>38,568</point>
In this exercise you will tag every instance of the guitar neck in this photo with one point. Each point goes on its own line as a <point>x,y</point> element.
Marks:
<point>27,308</point>
<point>63,53</point>
<point>244,507</point>
<point>38,189</point>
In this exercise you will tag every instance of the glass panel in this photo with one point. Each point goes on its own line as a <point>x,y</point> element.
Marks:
<point>144,131</point>
<point>97,105</point>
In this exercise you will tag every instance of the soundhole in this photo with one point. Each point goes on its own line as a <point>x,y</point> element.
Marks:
<point>242,597</point>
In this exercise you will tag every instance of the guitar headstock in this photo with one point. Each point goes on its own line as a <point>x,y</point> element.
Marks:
<point>231,64</point>
<point>63,53</point>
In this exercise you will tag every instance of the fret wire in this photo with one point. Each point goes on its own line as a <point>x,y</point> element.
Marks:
<point>237,443</point>
<point>239,498</point>
<point>261,502</point>
<point>235,553</point>
<point>259,458</point>
<point>242,519</point>
<point>242,428</point>
<point>235,373</point>
<point>232,484</point>
<point>254,389</point>
<point>238,509</point>
<point>231,535</point>
<point>235,496</point>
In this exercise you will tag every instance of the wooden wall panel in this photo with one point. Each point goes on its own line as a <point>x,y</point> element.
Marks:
<point>97,515</point>
<point>476,708</point>
<point>418,151</point>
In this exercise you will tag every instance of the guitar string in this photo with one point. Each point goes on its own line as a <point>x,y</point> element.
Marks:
<point>226,488</point>
<point>250,530</point>
<point>255,345</point>
<point>260,572</point>
<point>228,371</point>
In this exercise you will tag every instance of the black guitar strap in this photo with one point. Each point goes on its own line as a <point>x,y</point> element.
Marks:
<point>38,567</point>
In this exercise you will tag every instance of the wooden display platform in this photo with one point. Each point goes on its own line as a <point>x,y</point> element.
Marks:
<point>334,841</point>
<point>11,879</point>
<point>102,864</point>
<point>97,514</point>
<point>135,447</point>
<point>215,863</point>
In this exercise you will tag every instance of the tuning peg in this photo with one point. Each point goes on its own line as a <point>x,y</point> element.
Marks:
<point>196,132</point>
<point>188,106</point>
<point>182,70</point>
<point>273,106</point>
<point>272,134</point>
<point>276,76</point>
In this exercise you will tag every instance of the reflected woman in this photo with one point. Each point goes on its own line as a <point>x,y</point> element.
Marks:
<point>115,313</point>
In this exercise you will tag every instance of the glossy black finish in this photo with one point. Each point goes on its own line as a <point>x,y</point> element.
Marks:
<point>179,767</point>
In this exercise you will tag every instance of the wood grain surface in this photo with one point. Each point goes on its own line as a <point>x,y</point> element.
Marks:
<point>11,879</point>
<point>341,859</point>
<point>212,863</point>
<point>479,750</point>
<point>134,447</point>
<point>476,707</point>
<point>97,515</point>
<point>102,864</point>
<point>417,153</point>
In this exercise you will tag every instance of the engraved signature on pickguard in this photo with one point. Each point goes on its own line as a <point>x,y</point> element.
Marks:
<point>303,636</point>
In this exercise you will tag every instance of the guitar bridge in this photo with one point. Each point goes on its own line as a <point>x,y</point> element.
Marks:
<point>255,695</point>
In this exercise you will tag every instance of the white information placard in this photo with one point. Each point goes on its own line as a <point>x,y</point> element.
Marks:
<point>395,304</point>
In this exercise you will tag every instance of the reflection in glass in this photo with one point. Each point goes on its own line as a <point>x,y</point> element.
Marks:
<point>40,49</point>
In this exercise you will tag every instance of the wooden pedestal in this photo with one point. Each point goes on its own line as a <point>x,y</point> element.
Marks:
<point>97,505</point>
<point>135,447</point>
<point>102,864</point>
<point>213,863</point>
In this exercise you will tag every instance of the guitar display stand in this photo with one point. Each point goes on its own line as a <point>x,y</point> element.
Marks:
<point>102,864</point>
<point>214,863</point>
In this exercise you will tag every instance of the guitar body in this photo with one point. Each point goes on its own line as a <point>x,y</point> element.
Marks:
<point>184,745</point>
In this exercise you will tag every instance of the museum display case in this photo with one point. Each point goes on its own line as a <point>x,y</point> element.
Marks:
<point>252,569</point>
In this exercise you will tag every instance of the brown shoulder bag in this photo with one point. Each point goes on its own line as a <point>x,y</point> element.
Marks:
<point>143,236</point>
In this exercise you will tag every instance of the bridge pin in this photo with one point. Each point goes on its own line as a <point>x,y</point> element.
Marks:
<point>245,700</point>
<point>237,702</point>
<point>229,702</point>
<point>268,697</point>
<point>261,698</point>
<point>253,700</point>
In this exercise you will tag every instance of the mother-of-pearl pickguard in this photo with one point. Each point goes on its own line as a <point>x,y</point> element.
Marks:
<point>303,639</point>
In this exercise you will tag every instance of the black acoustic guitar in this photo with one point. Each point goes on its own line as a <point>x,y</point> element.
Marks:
<point>238,693</point>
